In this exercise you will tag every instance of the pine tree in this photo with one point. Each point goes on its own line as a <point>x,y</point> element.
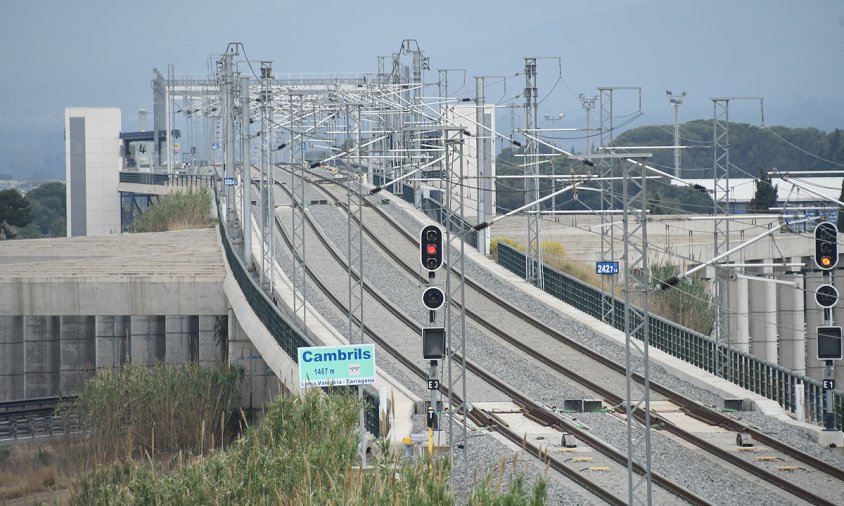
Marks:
<point>765,196</point>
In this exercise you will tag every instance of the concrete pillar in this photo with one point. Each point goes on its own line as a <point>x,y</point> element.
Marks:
<point>770,318</point>
<point>180,332</point>
<point>11,358</point>
<point>77,353</point>
<point>41,356</point>
<point>741,316</point>
<point>147,339</point>
<point>210,345</point>
<point>792,322</point>
<point>254,391</point>
<point>756,309</point>
<point>112,341</point>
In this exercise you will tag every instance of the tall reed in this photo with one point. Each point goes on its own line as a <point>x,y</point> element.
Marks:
<point>303,453</point>
<point>136,409</point>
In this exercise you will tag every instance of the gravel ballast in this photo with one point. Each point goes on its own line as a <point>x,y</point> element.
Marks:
<point>485,452</point>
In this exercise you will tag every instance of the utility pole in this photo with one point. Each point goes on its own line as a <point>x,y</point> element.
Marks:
<point>483,159</point>
<point>608,199</point>
<point>721,236</point>
<point>168,140</point>
<point>553,119</point>
<point>246,173</point>
<point>267,182</point>
<point>636,322</point>
<point>298,225</point>
<point>676,101</point>
<point>354,254</point>
<point>228,125</point>
<point>455,293</point>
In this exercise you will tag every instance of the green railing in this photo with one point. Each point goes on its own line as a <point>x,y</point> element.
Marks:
<point>158,179</point>
<point>288,337</point>
<point>408,194</point>
<point>750,372</point>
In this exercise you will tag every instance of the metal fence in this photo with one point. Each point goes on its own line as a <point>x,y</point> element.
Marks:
<point>435,211</point>
<point>288,337</point>
<point>157,179</point>
<point>750,372</point>
<point>408,194</point>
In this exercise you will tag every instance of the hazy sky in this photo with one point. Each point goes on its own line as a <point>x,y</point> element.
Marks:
<point>101,52</point>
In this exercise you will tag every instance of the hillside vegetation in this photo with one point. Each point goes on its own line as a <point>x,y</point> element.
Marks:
<point>752,149</point>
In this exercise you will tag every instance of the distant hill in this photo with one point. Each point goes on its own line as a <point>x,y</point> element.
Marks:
<point>27,155</point>
<point>751,147</point>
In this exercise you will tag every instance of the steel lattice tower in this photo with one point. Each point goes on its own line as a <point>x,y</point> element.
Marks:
<point>483,166</point>
<point>607,166</point>
<point>246,173</point>
<point>455,290</point>
<point>297,188</point>
<point>636,281</point>
<point>228,129</point>
<point>721,239</point>
<point>533,262</point>
<point>354,228</point>
<point>267,182</point>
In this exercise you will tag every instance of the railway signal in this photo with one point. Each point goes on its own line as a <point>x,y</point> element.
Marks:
<point>431,247</point>
<point>829,343</point>
<point>826,296</point>
<point>433,343</point>
<point>826,245</point>
<point>433,298</point>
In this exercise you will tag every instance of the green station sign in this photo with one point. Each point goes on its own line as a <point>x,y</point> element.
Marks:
<point>322,366</point>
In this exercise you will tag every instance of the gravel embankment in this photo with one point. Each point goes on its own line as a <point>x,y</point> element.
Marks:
<point>708,479</point>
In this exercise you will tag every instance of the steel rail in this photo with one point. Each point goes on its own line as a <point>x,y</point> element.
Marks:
<point>530,406</point>
<point>700,411</point>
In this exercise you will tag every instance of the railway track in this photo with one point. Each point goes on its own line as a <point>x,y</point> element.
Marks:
<point>30,418</point>
<point>746,461</point>
<point>604,456</point>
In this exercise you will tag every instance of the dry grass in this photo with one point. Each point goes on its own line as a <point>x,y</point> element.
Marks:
<point>133,412</point>
<point>689,304</point>
<point>31,468</point>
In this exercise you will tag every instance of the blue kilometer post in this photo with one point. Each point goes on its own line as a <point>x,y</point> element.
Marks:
<point>606,268</point>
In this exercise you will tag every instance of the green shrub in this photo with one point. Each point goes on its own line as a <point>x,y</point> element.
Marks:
<point>493,246</point>
<point>689,303</point>
<point>177,211</point>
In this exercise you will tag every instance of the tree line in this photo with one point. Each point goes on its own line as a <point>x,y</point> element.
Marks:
<point>775,147</point>
<point>39,213</point>
<point>753,152</point>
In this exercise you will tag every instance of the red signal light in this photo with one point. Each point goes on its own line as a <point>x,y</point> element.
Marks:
<point>432,249</point>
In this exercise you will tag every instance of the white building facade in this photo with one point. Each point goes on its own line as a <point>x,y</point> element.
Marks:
<point>92,170</point>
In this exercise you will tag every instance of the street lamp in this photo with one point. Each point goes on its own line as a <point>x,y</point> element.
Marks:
<point>676,101</point>
<point>588,104</point>
<point>554,118</point>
